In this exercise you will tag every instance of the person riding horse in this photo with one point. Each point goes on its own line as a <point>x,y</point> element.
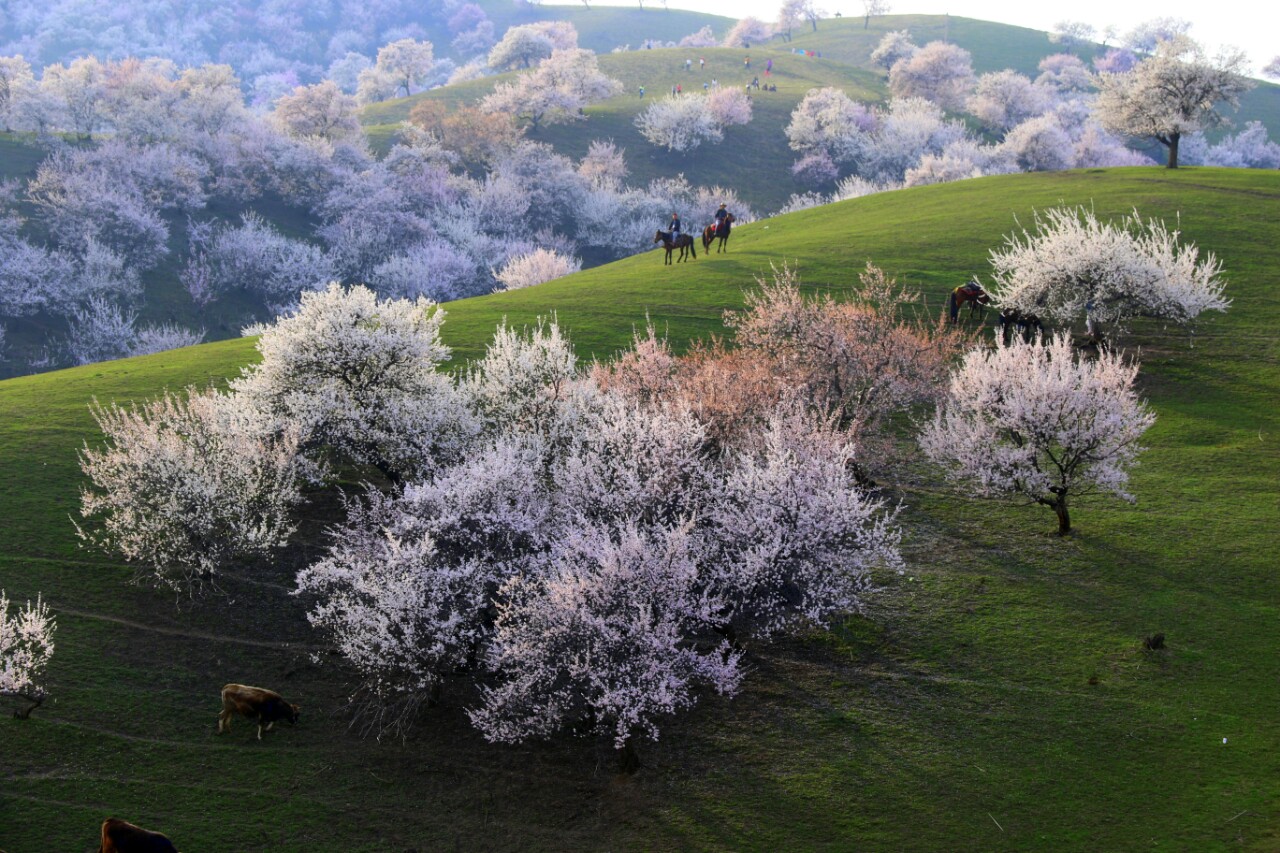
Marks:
<point>719,228</point>
<point>673,227</point>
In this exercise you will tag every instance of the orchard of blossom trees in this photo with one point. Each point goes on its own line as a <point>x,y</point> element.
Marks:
<point>592,548</point>
<point>1160,88</point>
<point>441,215</point>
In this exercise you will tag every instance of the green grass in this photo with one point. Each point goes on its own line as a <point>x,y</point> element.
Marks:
<point>994,46</point>
<point>961,700</point>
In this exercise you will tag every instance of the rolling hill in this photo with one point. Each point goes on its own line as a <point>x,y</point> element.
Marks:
<point>996,697</point>
<point>754,159</point>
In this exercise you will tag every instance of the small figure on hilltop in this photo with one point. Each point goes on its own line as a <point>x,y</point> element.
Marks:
<point>642,92</point>
<point>688,64</point>
<point>702,64</point>
<point>679,88</point>
<point>746,62</point>
<point>768,68</point>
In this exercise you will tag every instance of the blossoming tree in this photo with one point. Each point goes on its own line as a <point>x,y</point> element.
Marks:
<point>1071,263</point>
<point>1034,420</point>
<point>26,645</point>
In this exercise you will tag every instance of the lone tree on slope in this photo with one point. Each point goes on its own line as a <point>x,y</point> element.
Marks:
<point>1178,90</point>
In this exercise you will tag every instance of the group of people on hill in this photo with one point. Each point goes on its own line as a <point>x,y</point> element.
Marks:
<point>678,88</point>
<point>675,228</point>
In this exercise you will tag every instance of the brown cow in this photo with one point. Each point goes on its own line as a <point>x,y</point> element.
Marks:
<point>265,706</point>
<point>120,836</point>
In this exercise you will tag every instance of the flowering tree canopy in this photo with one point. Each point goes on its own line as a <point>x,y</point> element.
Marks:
<point>357,376</point>
<point>1071,264</point>
<point>26,646</point>
<point>556,91</point>
<point>938,72</point>
<point>536,267</point>
<point>746,32</point>
<point>680,123</point>
<point>1034,420</point>
<point>1176,91</point>
<point>895,45</point>
<point>188,482</point>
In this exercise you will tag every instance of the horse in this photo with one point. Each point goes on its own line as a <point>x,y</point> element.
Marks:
<point>720,230</point>
<point>684,243</point>
<point>972,293</point>
<point>1026,325</point>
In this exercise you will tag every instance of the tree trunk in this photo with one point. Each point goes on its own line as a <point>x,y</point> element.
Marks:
<point>866,22</point>
<point>1064,517</point>
<point>628,757</point>
<point>1174,138</point>
<point>1058,503</point>
<point>25,713</point>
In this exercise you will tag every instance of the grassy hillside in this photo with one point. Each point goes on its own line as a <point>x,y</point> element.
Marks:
<point>996,697</point>
<point>994,46</point>
<point>753,159</point>
<point>602,28</point>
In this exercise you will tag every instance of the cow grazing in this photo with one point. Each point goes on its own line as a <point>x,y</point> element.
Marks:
<point>120,836</point>
<point>265,706</point>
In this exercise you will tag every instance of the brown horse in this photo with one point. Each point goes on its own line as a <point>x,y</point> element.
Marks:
<point>718,230</point>
<point>972,293</point>
<point>683,242</point>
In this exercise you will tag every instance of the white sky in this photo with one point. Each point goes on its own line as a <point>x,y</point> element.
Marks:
<point>1252,25</point>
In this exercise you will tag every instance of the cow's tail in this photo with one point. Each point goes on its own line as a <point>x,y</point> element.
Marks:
<point>953,306</point>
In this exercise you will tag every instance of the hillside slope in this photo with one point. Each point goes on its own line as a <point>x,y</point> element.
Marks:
<point>997,696</point>
<point>753,159</point>
<point>994,47</point>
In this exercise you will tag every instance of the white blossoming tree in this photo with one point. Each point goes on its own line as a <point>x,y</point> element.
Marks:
<point>680,123</point>
<point>895,45</point>
<point>827,121</point>
<point>26,645</point>
<point>1174,92</point>
<point>798,535</point>
<point>1034,420</point>
<point>1072,265</point>
<point>748,31</point>
<point>185,483</point>
<point>405,591</point>
<point>536,267</point>
<point>358,377</point>
<point>321,110</point>
<point>602,640</point>
<point>938,72</point>
<point>556,91</point>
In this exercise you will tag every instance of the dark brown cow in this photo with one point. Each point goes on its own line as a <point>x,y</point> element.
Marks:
<point>120,836</point>
<point>256,703</point>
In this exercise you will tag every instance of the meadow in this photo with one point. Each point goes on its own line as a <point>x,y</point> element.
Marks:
<point>996,696</point>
